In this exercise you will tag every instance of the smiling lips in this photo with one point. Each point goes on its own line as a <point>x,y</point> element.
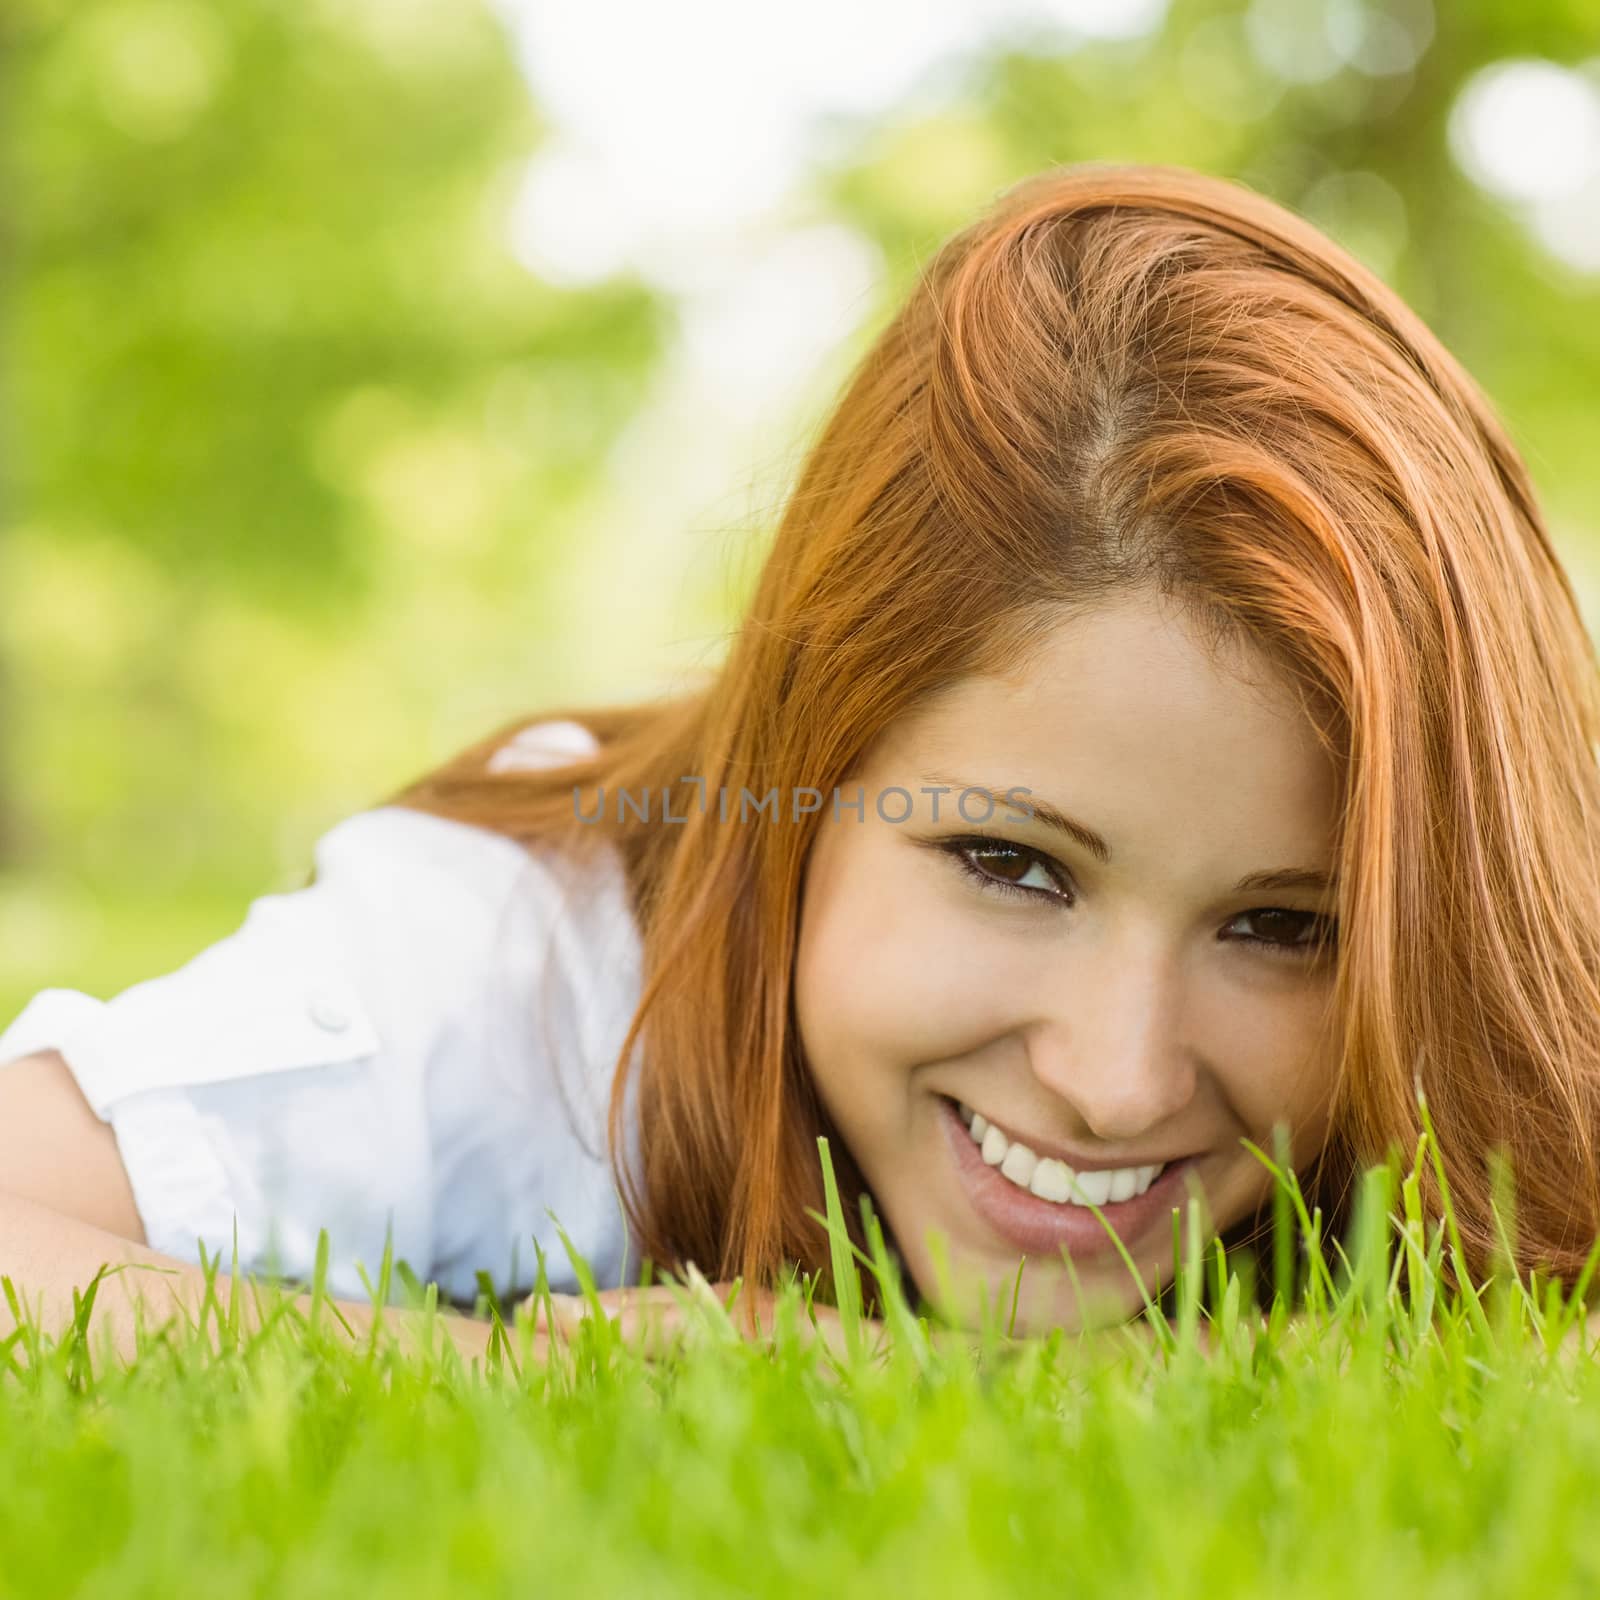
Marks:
<point>1041,1227</point>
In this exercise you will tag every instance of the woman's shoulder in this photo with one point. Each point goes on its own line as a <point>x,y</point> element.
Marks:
<point>443,862</point>
<point>406,919</point>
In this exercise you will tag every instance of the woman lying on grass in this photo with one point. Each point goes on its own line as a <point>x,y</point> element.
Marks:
<point>1161,715</point>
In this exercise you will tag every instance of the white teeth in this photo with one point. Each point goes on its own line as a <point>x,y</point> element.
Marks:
<point>1093,1187</point>
<point>1051,1179</point>
<point>1018,1165</point>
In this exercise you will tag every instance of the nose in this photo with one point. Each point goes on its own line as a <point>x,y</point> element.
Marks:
<point>1107,1039</point>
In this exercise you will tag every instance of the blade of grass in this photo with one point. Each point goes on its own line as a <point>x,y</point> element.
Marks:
<point>847,1287</point>
<point>908,1335</point>
<point>1458,1258</point>
<point>1311,1231</point>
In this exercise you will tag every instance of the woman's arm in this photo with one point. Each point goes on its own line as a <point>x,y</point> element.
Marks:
<point>47,1255</point>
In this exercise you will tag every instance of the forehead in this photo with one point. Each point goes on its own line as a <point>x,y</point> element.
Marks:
<point>1131,709</point>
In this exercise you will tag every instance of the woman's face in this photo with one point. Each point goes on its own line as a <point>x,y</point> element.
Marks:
<point>1121,1006</point>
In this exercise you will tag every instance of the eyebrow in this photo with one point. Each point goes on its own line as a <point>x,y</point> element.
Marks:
<point>1081,834</point>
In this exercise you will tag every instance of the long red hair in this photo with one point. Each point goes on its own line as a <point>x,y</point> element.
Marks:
<point>1117,375</point>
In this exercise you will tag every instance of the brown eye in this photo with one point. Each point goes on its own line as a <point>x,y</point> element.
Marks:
<point>1008,868</point>
<point>1291,933</point>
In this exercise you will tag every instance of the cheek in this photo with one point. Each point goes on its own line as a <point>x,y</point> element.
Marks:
<point>1278,1064</point>
<point>888,970</point>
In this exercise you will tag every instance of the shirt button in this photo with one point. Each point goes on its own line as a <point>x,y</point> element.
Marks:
<point>329,1014</point>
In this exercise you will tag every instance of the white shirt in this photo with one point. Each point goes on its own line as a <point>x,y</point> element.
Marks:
<point>394,1047</point>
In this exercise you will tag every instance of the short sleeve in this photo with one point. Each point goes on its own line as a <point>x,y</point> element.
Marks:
<point>353,1058</point>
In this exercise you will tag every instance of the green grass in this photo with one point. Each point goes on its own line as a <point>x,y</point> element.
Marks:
<point>1375,1436</point>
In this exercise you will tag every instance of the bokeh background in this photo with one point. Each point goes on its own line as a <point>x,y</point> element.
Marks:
<point>373,371</point>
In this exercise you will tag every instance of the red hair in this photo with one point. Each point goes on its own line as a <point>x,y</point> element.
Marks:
<point>1123,375</point>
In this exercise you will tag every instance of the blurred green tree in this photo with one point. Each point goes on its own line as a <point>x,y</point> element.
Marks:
<point>258,314</point>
